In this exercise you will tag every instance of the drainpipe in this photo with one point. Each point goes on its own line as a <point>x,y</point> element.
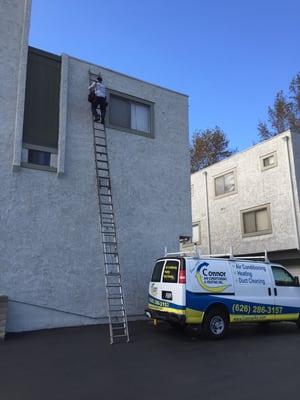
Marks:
<point>286,139</point>
<point>207,212</point>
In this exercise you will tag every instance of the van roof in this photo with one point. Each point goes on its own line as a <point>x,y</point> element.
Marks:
<point>236,259</point>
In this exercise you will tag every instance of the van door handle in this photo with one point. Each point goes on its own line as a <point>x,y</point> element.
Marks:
<point>269,291</point>
<point>275,291</point>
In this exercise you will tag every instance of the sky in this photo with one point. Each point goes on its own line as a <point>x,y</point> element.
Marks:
<point>229,56</point>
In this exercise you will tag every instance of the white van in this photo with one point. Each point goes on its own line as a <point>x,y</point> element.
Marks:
<point>216,292</point>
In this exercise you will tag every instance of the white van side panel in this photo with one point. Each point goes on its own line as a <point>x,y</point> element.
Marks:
<point>245,288</point>
<point>287,298</point>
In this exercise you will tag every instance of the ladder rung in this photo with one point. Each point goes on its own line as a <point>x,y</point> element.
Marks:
<point>111,252</point>
<point>113,274</point>
<point>102,169</point>
<point>120,311</point>
<point>110,243</point>
<point>115,336</point>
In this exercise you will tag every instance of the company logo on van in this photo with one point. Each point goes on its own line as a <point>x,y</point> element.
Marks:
<point>210,280</point>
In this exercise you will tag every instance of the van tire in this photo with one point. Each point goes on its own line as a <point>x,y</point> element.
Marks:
<point>298,323</point>
<point>215,323</point>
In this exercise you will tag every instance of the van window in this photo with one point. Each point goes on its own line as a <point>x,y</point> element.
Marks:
<point>282,277</point>
<point>157,271</point>
<point>171,271</point>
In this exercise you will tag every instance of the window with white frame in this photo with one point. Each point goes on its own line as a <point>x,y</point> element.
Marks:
<point>196,233</point>
<point>225,184</point>
<point>41,112</point>
<point>269,161</point>
<point>130,114</point>
<point>256,221</point>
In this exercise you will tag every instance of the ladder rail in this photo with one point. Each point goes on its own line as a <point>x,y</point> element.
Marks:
<point>113,278</point>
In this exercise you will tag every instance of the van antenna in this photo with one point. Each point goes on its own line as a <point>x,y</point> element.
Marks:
<point>166,251</point>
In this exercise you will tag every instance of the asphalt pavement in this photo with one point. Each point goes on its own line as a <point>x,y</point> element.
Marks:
<point>159,363</point>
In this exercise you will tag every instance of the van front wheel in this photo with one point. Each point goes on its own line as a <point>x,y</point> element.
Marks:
<point>215,324</point>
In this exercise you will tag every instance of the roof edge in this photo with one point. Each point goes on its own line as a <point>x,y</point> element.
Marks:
<point>125,75</point>
<point>282,134</point>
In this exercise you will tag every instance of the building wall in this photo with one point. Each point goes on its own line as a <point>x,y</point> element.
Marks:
<point>50,250</point>
<point>254,188</point>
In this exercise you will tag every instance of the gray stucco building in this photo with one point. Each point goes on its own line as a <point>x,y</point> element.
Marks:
<point>51,261</point>
<point>250,201</point>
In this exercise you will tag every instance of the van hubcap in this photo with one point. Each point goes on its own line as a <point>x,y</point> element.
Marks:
<point>217,325</point>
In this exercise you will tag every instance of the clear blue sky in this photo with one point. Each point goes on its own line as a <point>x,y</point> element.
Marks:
<point>229,56</point>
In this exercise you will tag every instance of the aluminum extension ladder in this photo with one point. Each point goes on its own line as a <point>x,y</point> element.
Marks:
<point>117,316</point>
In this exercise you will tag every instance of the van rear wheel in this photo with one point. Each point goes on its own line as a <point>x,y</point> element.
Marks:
<point>215,324</point>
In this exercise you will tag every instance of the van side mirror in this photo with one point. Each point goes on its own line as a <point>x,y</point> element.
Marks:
<point>296,280</point>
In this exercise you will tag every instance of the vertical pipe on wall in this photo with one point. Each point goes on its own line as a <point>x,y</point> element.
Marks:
<point>207,213</point>
<point>63,101</point>
<point>21,86</point>
<point>286,139</point>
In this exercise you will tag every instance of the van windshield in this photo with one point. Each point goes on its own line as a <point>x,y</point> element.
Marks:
<point>156,275</point>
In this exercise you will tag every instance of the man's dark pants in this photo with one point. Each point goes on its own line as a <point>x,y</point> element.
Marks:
<point>99,101</point>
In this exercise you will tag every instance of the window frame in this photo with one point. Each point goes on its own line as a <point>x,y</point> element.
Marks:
<point>254,209</point>
<point>224,173</point>
<point>51,150</point>
<point>268,155</point>
<point>132,99</point>
<point>287,272</point>
<point>163,271</point>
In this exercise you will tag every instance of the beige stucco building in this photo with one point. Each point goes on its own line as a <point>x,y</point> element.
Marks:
<point>250,202</point>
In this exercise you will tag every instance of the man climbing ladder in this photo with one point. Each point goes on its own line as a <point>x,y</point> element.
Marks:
<point>97,97</point>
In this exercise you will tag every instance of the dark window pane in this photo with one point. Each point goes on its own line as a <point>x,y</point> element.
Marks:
<point>282,277</point>
<point>119,112</point>
<point>41,116</point>
<point>171,272</point>
<point>157,271</point>
<point>249,222</point>
<point>39,157</point>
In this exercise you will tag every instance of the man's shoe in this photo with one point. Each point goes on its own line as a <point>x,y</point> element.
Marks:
<point>102,122</point>
<point>97,119</point>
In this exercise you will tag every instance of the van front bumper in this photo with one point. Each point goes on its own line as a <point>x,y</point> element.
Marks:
<point>165,316</point>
